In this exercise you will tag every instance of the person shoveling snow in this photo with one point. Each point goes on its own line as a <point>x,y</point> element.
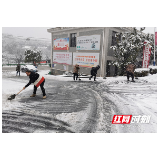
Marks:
<point>37,80</point>
<point>130,71</point>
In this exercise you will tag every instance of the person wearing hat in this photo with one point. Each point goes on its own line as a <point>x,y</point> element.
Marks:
<point>37,80</point>
<point>94,72</point>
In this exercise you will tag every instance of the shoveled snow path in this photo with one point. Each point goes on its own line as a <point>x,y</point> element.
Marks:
<point>69,107</point>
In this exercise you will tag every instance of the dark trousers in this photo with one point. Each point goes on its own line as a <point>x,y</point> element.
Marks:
<point>94,77</point>
<point>128,74</point>
<point>17,73</point>
<point>75,75</point>
<point>42,88</point>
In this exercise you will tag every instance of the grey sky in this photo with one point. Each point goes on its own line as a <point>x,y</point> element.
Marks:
<point>41,32</point>
<point>36,32</point>
<point>148,29</point>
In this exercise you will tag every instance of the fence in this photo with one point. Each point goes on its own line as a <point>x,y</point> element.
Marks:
<point>15,64</point>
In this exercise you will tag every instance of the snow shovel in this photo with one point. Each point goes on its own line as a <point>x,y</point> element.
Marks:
<point>14,95</point>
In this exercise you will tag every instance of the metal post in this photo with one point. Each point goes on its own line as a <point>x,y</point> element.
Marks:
<point>102,55</point>
<point>154,49</point>
<point>104,52</point>
<point>51,51</point>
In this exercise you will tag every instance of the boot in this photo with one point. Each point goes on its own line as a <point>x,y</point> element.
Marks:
<point>44,97</point>
<point>33,95</point>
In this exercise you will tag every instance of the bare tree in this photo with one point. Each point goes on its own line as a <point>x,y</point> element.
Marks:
<point>15,50</point>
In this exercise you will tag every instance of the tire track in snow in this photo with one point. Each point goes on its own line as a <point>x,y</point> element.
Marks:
<point>39,115</point>
<point>125,103</point>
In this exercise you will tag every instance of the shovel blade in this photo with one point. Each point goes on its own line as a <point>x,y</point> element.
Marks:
<point>12,97</point>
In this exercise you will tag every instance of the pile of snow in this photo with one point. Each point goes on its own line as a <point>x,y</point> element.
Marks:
<point>141,69</point>
<point>153,67</point>
<point>145,69</point>
<point>29,67</point>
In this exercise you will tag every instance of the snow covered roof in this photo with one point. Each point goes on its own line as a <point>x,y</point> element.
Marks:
<point>68,28</point>
<point>27,47</point>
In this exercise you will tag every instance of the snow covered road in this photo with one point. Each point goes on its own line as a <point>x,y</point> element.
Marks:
<point>68,108</point>
<point>83,106</point>
<point>139,98</point>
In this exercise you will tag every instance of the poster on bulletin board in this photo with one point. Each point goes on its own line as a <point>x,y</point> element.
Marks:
<point>62,58</point>
<point>88,42</point>
<point>61,44</point>
<point>86,59</point>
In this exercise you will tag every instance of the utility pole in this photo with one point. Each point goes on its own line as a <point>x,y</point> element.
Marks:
<point>104,51</point>
<point>154,62</point>
<point>51,53</point>
<point>102,55</point>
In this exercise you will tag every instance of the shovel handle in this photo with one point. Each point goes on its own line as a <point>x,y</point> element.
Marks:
<point>20,91</point>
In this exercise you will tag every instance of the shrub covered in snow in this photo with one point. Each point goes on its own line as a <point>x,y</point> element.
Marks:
<point>129,47</point>
<point>153,69</point>
<point>141,72</point>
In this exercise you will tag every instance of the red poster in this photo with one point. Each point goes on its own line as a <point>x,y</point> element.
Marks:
<point>61,44</point>
<point>43,62</point>
<point>146,55</point>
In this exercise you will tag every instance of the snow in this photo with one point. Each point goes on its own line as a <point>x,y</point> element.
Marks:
<point>9,88</point>
<point>145,69</point>
<point>30,67</point>
<point>141,69</point>
<point>139,98</point>
<point>153,67</point>
<point>10,66</point>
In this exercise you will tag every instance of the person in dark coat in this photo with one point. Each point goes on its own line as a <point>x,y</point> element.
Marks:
<point>130,71</point>
<point>18,69</point>
<point>94,72</point>
<point>34,64</point>
<point>75,72</point>
<point>38,80</point>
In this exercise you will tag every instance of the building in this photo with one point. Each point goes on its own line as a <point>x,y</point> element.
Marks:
<point>86,46</point>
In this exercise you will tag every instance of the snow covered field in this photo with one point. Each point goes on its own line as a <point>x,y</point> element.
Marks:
<point>139,98</point>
